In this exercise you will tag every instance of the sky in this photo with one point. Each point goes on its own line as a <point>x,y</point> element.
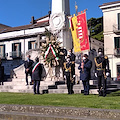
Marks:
<point>19,12</point>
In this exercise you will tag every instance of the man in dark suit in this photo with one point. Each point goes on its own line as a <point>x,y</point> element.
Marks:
<point>85,67</point>
<point>101,71</point>
<point>28,68</point>
<point>36,75</point>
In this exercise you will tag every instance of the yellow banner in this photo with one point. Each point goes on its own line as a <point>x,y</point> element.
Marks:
<point>74,28</point>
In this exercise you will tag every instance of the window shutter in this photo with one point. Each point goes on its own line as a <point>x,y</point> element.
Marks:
<point>29,45</point>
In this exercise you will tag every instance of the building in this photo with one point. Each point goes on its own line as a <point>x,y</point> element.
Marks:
<point>111,22</point>
<point>16,42</point>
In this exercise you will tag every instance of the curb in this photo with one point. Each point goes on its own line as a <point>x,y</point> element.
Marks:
<point>58,112</point>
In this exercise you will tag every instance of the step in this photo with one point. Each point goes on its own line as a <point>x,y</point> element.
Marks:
<point>15,83</point>
<point>57,91</point>
<point>93,82</point>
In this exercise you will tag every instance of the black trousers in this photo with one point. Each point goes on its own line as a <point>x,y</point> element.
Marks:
<point>69,83</point>
<point>86,87</point>
<point>102,85</point>
<point>36,85</point>
<point>27,77</point>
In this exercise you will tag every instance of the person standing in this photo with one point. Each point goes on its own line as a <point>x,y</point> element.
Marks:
<point>28,68</point>
<point>36,75</point>
<point>101,71</point>
<point>72,60</point>
<point>68,75</point>
<point>85,67</point>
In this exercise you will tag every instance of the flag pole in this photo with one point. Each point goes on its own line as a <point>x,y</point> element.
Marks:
<point>76,8</point>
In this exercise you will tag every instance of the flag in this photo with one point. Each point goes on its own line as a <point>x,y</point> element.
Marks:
<point>83,31</point>
<point>70,22</point>
<point>74,31</point>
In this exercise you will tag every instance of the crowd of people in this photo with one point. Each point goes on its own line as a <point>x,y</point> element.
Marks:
<point>68,67</point>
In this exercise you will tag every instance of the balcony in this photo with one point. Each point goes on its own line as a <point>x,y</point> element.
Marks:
<point>2,55</point>
<point>16,54</point>
<point>116,28</point>
<point>117,52</point>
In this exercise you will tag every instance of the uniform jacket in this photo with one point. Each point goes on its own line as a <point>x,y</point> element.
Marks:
<point>105,65</point>
<point>28,65</point>
<point>72,57</point>
<point>85,74</point>
<point>36,75</point>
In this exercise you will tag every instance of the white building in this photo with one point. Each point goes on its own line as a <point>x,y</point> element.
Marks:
<point>15,42</point>
<point>111,22</point>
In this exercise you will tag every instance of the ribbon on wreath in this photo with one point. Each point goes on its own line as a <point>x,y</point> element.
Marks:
<point>53,52</point>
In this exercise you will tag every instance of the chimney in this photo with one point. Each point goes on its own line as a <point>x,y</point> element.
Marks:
<point>32,20</point>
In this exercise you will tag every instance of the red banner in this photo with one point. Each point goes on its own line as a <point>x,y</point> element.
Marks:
<point>83,31</point>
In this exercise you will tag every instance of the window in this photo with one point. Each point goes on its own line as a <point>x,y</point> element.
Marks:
<point>16,50</point>
<point>2,51</point>
<point>31,45</point>
<point>117,42</point>
<point>118,21</point>
<point>118,72</point>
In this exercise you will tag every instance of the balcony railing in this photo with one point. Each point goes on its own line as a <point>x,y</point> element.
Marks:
<point>2,55</point>
<point>117,52</point>
<point>16,54</point>
<point>116,28</point>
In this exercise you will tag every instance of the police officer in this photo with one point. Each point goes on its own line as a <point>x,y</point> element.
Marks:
<point>68,75</point>
<point>72,59</point>
<point>101,71</point>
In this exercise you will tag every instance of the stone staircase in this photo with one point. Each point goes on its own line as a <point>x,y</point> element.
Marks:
<point>18,83</point>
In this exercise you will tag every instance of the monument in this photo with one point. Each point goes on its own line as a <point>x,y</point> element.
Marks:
<point>59,22</point>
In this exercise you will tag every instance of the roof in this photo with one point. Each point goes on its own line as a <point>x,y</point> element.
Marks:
<point>3,26</point>
<point>110,3</point>
<point>24,27</point>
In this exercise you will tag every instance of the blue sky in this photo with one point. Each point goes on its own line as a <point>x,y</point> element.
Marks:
<point>19,12</point>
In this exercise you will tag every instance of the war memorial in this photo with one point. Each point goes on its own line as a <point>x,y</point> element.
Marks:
<point>64,37</point>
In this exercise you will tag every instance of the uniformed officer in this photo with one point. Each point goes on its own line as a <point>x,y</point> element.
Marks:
<point>101,71</point>
<point>68,75</point>
<point>72,59</point>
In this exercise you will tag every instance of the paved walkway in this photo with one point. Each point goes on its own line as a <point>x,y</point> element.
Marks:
<point>28,112</point>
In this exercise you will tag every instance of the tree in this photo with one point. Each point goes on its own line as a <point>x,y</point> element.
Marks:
<point>95,25</point>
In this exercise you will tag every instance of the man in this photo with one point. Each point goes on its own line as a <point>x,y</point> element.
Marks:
<point>36,75</point>
<point>28,68</point>
<point>72,59</point>
<point>85,67</point>
<point>68,75</point>
<point>101,71</point>
<point>63,54</point>
<point>1,73</point>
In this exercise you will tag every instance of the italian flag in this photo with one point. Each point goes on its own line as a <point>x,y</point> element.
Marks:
<point>70,22</point>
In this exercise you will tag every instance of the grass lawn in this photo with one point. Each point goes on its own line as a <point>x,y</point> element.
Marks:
<point>111,101</point>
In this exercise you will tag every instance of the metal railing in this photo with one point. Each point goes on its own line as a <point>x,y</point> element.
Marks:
<point>16,54</point>
<point>2,55</point>
<point>117,51</point>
